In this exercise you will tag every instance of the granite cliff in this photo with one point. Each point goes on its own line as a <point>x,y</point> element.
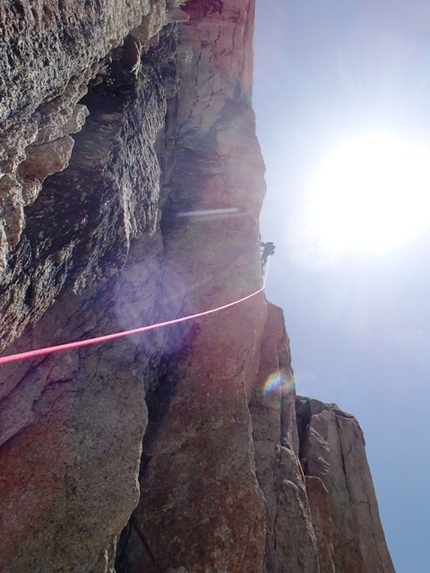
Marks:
<point>131,182</point>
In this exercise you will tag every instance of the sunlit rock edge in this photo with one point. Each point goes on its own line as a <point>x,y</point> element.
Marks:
<point>185,449</point>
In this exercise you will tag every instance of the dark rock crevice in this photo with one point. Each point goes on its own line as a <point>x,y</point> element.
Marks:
<point>103,201</point>
<point>131,184</point>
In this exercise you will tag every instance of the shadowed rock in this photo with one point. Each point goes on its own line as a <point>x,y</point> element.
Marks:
<point>131,183</point>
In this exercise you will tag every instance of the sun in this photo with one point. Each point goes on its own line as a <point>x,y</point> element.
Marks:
<point>369,195</point>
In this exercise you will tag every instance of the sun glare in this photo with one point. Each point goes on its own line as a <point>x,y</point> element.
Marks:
<point>370,195</point>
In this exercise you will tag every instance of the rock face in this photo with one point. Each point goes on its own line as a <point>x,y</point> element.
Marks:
<point>131,183</point>
<point>290,538</point>
<point>340,489</point>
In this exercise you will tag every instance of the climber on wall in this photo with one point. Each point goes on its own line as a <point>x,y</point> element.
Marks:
<point>267,250</point>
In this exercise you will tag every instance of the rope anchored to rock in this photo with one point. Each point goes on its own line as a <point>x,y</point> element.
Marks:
<point>107,337</point>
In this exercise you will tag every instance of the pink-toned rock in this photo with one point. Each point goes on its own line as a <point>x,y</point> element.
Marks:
<point>319,503</point>
<point>198,473</point>
<point>154,217</point>
<point>198,479</point>
<point>290,539</point>
<point>46,158</point>
<point>332,449</point>
<point>71,425</point>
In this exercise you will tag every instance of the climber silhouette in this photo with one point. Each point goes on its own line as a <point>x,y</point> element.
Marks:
<point>268,249</point>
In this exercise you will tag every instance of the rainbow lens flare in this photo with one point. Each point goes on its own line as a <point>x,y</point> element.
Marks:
<point>280,380</point>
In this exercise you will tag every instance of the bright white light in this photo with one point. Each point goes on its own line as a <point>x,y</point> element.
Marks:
<point>370,195</point>
<point>208,212</point>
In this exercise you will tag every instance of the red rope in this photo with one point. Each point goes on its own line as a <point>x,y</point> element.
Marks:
<point>145,543</point>
<point>80,343</point>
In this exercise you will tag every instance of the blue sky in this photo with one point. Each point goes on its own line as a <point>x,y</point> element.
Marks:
<point>325,72</point>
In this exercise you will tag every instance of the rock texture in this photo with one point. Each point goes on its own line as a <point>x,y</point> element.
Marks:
<point>290,538</point>
<point>131,183</point>
<point>197,475</point>
<point>340,489</point>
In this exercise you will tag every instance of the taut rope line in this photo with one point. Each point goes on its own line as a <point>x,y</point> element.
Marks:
<point>105,338</point>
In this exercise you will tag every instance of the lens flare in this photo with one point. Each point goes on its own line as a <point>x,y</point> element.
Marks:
<point>281,380</point>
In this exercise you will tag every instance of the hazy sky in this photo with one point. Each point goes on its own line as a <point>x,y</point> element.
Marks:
<point>327,71</point>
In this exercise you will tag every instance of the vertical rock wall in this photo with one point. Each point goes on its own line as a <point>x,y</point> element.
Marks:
<point>197,477</point>
<point>85,261</point>
<point>131,183</point>
<point>290,541</point>
<point>340,489</point>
